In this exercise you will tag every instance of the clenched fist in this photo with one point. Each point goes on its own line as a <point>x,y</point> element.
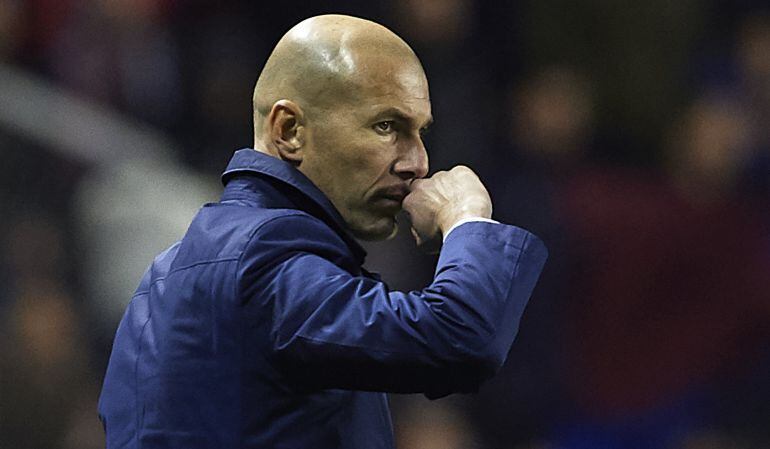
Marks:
<point>438,202</point>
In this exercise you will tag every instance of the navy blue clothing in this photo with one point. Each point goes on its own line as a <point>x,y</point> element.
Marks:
<point>261,329</point>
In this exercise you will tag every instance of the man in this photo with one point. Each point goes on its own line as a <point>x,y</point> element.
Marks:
<point>260,328</point>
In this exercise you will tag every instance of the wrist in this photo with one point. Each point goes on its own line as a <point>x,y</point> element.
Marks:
<point>448,220</point>
<point>468,220</point>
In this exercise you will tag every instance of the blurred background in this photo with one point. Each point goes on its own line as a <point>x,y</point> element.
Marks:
<point>633,137</point>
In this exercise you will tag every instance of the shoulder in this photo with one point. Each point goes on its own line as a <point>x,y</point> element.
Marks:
<point>292,226</point>
<point>286,233</point>
<point>159,269</point>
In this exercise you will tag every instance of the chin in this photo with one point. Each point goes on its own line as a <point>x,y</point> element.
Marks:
<point>382,229</point>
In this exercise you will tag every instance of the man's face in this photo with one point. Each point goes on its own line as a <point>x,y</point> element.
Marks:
<point>364,150</point>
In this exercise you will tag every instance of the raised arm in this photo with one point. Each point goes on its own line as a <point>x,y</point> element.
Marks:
<point>334,329</point>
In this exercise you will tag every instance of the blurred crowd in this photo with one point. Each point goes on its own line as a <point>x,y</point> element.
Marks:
<point>633,137</point>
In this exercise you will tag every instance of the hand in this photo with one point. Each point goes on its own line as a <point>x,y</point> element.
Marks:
<point>438,202</point>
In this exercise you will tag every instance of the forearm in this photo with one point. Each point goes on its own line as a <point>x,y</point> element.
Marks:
<point>355,333</point>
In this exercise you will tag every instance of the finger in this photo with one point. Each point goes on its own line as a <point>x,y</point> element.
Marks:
<point>415,183</point>
<point>416,235</point>
<point>428,245</point>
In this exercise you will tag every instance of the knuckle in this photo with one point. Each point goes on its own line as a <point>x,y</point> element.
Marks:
<point>464,172</point>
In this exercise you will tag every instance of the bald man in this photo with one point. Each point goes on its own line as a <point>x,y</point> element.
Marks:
<point>261,328</point>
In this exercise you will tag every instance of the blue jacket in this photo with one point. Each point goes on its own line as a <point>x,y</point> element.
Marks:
<point>261,329</point>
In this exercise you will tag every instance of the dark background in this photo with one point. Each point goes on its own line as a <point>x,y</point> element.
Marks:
<point>633,137</point>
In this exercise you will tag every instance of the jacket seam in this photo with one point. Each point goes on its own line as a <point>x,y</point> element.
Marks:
<point>140,350</point>
<point>385,351</point>
<point>251,237</point>
<point>516,264</point>
<point>140,410</point>
<point>237,284</point>
<point>176,270</point>
<point>486,236</point>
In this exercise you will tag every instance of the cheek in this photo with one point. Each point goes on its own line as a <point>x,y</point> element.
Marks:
<point>353,160</point>
<point>361,166</point>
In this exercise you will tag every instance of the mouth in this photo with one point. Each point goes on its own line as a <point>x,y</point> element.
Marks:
<point>389,202</point>
<point>391,197</point>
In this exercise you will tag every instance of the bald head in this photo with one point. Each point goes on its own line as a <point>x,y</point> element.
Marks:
<point>345,101</point>
<point>326,61</point>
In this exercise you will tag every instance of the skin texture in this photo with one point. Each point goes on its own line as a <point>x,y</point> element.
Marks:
<point>345,101</point>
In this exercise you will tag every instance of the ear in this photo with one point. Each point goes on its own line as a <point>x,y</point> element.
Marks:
<point>286,127</point>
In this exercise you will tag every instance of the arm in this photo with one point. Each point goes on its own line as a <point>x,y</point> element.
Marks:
<point>330,329</point>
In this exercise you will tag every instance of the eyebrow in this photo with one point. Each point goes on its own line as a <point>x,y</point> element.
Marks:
<point>403,116</point>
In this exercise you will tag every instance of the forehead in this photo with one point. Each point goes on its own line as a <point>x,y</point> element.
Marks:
<point>388,83</point>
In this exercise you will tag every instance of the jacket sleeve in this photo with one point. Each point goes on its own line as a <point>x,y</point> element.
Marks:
<point>331,329</point>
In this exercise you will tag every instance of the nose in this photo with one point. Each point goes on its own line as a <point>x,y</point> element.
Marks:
<point>414,163</point>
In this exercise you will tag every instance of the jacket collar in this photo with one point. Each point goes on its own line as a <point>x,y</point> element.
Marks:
<point>251,161</point>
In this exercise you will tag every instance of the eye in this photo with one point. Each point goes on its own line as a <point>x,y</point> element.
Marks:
<point>385,127</point>
<point>424,131</point>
